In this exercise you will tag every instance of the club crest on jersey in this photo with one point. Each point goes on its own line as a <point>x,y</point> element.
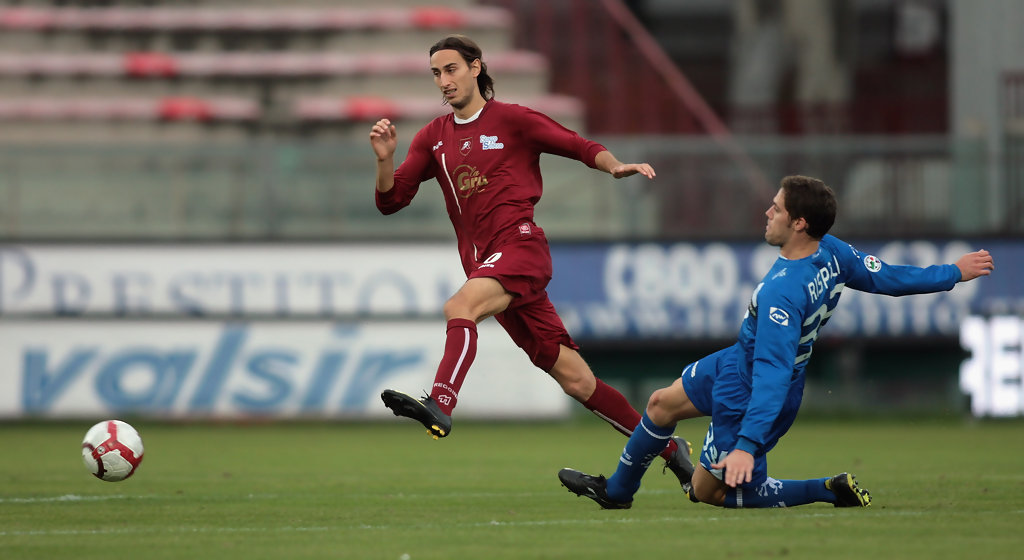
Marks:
<point>465,145</point>
<point>872,263</point>
<point>779,316</point>
<point>469,180</point>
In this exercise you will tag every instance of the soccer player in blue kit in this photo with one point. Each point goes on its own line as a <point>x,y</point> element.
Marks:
<point>752,389</point>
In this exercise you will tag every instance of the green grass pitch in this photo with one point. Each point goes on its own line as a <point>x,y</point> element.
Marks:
<point>941,489</point>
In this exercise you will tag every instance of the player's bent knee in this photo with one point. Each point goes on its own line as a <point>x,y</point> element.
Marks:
<point>656,400</point>
<point>575,382</point>
<point>579,387</point>
<point>708,489</point>
<point>659,408</point>
<point>572,374</point>
<point>708,497</point>
<point>455,308</point>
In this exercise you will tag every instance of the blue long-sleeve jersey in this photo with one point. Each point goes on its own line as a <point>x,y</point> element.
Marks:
<point>790,306</point>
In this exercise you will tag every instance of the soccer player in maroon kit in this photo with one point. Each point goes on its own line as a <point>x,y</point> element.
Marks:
<point>486,157</point>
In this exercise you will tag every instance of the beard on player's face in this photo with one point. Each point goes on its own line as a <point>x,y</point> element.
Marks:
<point>465,93</point>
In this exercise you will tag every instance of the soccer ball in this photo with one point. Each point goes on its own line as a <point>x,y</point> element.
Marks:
<point>112,450</point>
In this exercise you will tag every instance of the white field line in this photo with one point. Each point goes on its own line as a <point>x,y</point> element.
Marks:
<point>405,527</point>
<point>362,526</point>
<point>101,498</point>
<point>64,498</point>
<point>400,495</point>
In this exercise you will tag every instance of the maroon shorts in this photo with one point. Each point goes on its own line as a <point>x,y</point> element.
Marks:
<point>523,267</point>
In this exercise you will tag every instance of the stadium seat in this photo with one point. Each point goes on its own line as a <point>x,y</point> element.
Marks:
<point>416,108</point>
<point>126,120</point>
<point>162,64</point>
<point>254,27</point>
<point>165,108</point>
<point>245,18</point>
<point>245,73</point>
<point>220,61</point>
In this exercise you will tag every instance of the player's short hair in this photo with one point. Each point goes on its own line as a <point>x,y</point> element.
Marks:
<point>469,51</point>
<point>812,200</point>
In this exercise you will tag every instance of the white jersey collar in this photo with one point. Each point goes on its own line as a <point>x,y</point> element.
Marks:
<point>475,116</point>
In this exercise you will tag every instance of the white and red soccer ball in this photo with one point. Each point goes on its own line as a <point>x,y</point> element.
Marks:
<point>112,450</point>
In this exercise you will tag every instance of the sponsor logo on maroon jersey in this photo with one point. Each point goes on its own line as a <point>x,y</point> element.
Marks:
<point>489,263</point>
<point>524,229</point>
<point>490,142</point>
<point>469,181</point>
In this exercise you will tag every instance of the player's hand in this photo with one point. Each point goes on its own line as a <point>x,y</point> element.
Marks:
<point>973,265</point>
<point>738,466</point>
<point>628,169</point>
<point>383,139</point>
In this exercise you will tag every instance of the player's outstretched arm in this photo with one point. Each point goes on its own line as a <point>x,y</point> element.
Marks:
<point>973,265</point>
<point>608,163</point>
<point>384,141</point>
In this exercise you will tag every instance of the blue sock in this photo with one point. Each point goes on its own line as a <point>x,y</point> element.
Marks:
<point>643,446</point>
<point>780,493</point>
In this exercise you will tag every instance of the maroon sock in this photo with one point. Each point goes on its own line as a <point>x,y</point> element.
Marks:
<point>612,407</point>
<point>459,352</point>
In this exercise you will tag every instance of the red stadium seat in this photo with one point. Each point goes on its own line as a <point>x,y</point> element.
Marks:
<point>150,65</point>
<point>26,18</point>
<point>438,17</point>
<point>255,19</point>
<point>415,108</point>
<point>128,69</point>
<point>163,65</point>
<point>142,109</point>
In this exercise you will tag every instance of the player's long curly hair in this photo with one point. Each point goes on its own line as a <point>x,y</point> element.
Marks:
<point>812,200</point>
<point>469,51</point>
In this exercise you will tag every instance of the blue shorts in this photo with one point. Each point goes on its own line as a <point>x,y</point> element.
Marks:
<point>715,386</point>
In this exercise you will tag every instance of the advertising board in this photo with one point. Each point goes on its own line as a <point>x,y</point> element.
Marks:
<point>202,368</point>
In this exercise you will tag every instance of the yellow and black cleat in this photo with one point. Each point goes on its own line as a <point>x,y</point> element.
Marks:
<point>680,464</point>
<point>425,411</point>
<point>848,492</point>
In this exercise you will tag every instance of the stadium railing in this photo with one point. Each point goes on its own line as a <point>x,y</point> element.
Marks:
<point>1013,113</point>
<point>908,186</point>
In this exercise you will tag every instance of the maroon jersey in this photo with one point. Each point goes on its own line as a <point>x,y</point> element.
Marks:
<point>488,170</point>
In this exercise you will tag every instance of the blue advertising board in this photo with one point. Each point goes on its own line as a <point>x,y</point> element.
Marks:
<point>701,290</point>
<point>606,291</point>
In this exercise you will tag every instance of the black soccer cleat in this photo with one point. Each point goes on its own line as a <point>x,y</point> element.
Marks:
<point>848,493</point>
<point>691,495</point>
<point>425,411</point>
<point>593,487</point>
<point>680,463</point>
